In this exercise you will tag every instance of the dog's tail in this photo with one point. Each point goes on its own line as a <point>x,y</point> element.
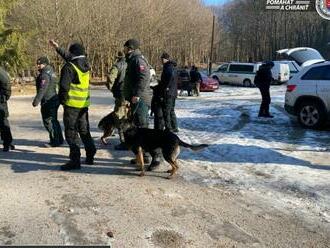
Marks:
<point>192,147</point>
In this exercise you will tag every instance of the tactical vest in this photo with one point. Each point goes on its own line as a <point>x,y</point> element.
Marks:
<point>78,95</point>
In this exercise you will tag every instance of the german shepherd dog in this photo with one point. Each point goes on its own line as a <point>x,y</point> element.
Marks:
<point>141,140</point>
<point>111,121</point>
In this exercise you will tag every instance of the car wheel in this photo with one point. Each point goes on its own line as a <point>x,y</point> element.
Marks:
<point>247,83</point>
<point>216,78</point>
<point>311,115</point>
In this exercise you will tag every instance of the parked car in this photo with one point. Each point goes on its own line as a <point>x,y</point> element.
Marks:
<point>236,73</point>
<point>293,66</point>
<point>307,95</point>
<point>280,72</point>
<point>207,84</point>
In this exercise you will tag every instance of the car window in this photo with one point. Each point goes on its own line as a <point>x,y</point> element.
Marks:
<point>326,73</point>
<point>292,67</point>
<point>241,68</point>
<point>223,68</point>
<point>316,73</point>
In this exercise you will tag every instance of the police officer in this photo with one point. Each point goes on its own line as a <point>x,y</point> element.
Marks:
<point>75,98</point>
<point>262,80</point>
<point>46,83</point>
<point>115,82</point>
<point>137,90</point>
<point>168,92</point>
<point>5,92</point>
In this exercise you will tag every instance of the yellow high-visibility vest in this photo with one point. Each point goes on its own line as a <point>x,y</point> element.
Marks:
<point>79,93</point>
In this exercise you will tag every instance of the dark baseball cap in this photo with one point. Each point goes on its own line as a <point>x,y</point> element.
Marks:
<point>132,43</point>
<point>43,60</point>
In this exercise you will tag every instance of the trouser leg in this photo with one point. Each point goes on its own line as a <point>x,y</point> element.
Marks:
<point>70,120</point>
<point>159,117</point>
<point>167,109</point>
<point>5,131</point>
<point>84,132</point>
<point>174,122</point>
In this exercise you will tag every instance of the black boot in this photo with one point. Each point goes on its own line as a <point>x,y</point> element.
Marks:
<point>6,148</point>
<point>154,163</point>
<point>89,160</point>
<point>71,165</point>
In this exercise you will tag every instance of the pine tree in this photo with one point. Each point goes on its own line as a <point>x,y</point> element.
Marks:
<point>12,42</point>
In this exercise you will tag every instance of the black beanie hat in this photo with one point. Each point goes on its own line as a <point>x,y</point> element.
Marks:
<point>132,43</point>
<point>43,60</point>
<point>165,56</point>
<point>77,49</point>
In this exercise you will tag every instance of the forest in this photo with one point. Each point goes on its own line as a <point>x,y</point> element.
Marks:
<point>244,31</point>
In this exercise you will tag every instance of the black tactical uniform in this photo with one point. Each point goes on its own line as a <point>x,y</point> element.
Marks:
<point>46,83</point>
<point>262,80</point>
<point>75,119</point>
<point>168,92</point>
<point>5,93</point>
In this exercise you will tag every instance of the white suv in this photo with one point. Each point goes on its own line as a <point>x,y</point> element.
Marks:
<point>308,94</point>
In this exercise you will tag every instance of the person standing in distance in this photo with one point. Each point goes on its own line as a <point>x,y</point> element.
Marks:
<point>46,83</point>
<point>5,93</point>
<point>262,80</point>
<point>168,91</point>
<point>74,95</point>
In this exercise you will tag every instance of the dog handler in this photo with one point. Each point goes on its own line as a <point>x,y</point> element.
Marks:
<point>137,90</point>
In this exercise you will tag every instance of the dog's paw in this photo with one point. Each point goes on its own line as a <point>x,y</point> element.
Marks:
<point>142,174</point>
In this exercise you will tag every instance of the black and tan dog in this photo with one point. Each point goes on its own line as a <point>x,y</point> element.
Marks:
<point>114,120</point>
<point>141,140</point>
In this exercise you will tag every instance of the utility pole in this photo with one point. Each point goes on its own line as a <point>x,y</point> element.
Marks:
<point>211,52</point>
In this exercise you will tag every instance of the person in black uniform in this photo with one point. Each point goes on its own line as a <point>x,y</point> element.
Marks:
<point>46,95</point>
<point>168,92</point>
<point>262,80</point>
<point>75,98</point>
<point>5,93</point>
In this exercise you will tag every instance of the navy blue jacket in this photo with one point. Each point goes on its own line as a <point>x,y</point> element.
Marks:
<point>168,83</point>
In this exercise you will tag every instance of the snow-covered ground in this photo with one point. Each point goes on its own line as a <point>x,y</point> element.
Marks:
<point>275,159</point>
<point>257,178</point>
